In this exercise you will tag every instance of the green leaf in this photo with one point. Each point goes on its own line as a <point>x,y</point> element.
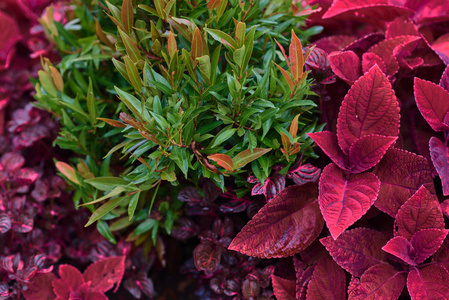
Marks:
<point>104,209</point>
<point>133,204</point>
<point>104,230</point>
<point>222,37</point>
<point>107,183</point>
<point>91,104</point>
<point>133,74</point>
<point>239,55</point>
<point>114,192</point>
<point>222,136</point>
<point>127,15</point>
<point>131,47</point>
<point>144,226</point>
<point>134,104</point>
<point>247,156</point>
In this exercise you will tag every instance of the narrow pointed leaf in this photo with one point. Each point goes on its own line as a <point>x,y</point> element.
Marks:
<point>104,209</point>
<point>287,78</point>
<point>197,45</point>
<point>296,57</point>
<point>439,154</point>
<point>247,156</point>
<point>223,160</point>
<point>428,283</point>
<point>127,15</point>
<point>68,171</point>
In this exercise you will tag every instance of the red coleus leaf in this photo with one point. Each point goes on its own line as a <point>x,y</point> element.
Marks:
<point>328,142</point>
<point>370,107</point>
<point>442,255</point>
<point>429,10</point>
<point>9,36</point>
<point>433,103</point>
<point>357,250</point>
<point>370,59</point>
<point>421,211</point>
<point>344,198</point>
<point>371,9</point>
<point>346,65</point>
<point>444,81</point>
<point>366,152</point>
<point>207,256</point>
<point>381,281</point>
<point>104,274</point>
<point>364,43</point>
<point>26,176</point>
<point>428,283</point>
<point>441,48</point>
<point>303,276</point>
<point>334,43</point>
<point>328,281</point>
<point>284,226</point>
<point>304,174</point>
<point>423,244</point>
<point>401,26</point>
<point>71,279</point>
<point>40,287</point>
<point>401,174</point>
<point>283,288</point>
<point>439,154</point>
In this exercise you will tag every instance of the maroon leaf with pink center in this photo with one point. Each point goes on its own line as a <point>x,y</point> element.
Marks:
<point>207,256</point>
<point>328,142</point>
<point>428,283</point>
<point>304,174</point>
<point>421,211</point>
<point>283,288</point>
<point>357,250</point>
<point>366,152</point>
<point>106,273</point>
<point>401,26</point>
<point>328,281</point>
<point>444,81</point>
<point>439,154</point>
<point>433,103</point>
<point>287,224</point>
<point>381,281</point>
<point>334,43</point>
<point>401,174</point>
<point>370,107</point>
<point>344,198</point>
<point>346,65</point>
<point>370,59</point>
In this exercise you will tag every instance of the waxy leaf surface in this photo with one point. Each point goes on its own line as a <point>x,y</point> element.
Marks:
<point>381,281</point>
<point>345,198</point>
<point>287,224</point>
<point>428,283</point>
<point>439,153</point>
<point>346,65</point>
<point>357,250</point>
<point>328,281</point>
<point>401,174</point>
<point>370,107</point>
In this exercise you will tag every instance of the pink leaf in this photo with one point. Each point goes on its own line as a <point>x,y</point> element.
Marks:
<point>371,9</point>
<point>26,176</point>
<point>428,283</point>
<point>304,174</point>
<point>283,288</point>
<point>439,154</point>
<point>346,65</point>
<point>334,43</point>
<point>433,103</point>
<point>357,250</point>
<point>207,256</point>
<point>381,281</point>
<point>40,287</point>
<point>421,211</point>
<point>441,48</point>
<point>401,26</point>
<point>444,81</point>
<point>366,152</point>
<point>284,226</point>
<point>400,247</point>
<point>369,60</point>
<point>345,198</point>
<point>328,281</point>
<point>426,242</point>
<point>401,174</point>
<point>71,280</point>
<point>11,161</point>
<point>105,273</point>
<point>429,10</point>
<point>370,107</point>
<point>328,142</point>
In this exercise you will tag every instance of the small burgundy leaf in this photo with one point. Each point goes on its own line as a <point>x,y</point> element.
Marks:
<point>271,187</point>
<point>328,281</point>
<point>441,48</point>
<point>304,174</point>
<point>25,223</point>
<point>207,256</point>
<point>370,107</point>
<point>426,242</point>
<point>400,247</point>
<point>381,281</point>
<point>366,152</point>
<point>345,198</point>
<point>370,59</point>
<point>283,288</point>
<point>317,59</point>
<point>346,65</point>
<point>428,283</point>
<point>444,81</point>
<point>357,250</point>
<point>401,174</point>
<point>439,154</point>
<point>284,226</point>
<point>364,43</point>
<point>328,142</point>
<point>421,211</point>
<point>433,103</point>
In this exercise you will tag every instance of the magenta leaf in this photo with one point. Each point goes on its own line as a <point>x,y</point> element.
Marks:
<point>401,26</point>
<point>439,154</point>
<point>207,256</point>
<point>381,281</point>
<point>334,43</point>
<point>366,152</point>
<point>441,48</point>
<point>421,211</point>
<point>71,280</point>
<point>400,247</point>
<point>364,43</point>
<point>345,198</point>
<point>428,283</point>
<point>370,107</point>
<point>346,65</point>
<point>328,281</point>
<point>444,81</point>
<point>284,226</point>
<point>426,242</point>
<point>304,174</point>
<point>433,103</point>
<point>328,142</point>
<point>371,9</point>
<point>429,11</point>
<point>105,273</point>
<point>283,288</point>
<point>40,287</point>
<point>357,250</point>
<point>24,223</point>
<point>9,37</point>
<point>401,174</point>
<point>370,59</point>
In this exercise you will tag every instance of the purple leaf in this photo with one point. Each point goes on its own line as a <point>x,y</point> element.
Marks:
<point>346,65</point>
<point>234,206</point>
<point>363,44</point>
<point>366,152</point>
<point>401,174</point>
<point>207,256</point>
<point>328,281</point>
<point>304,174</point>
<point>433,103</point>
<point>26,176</point>
<point>345,198</point>
<point>439,154</point>
<point>442,255</point>
<point>189,194</point>
<point>428,283</point>
<point>381,281</point>
<point>283,288</point>
<point>357,250</point>
<point>421,211</point>
<point>71,280</point>
<point>370,107</point>
<point>24,223</point>
<point>328,142</point>
<point>284,226</point>
<point>317,59</point>
<point>303,276</point>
